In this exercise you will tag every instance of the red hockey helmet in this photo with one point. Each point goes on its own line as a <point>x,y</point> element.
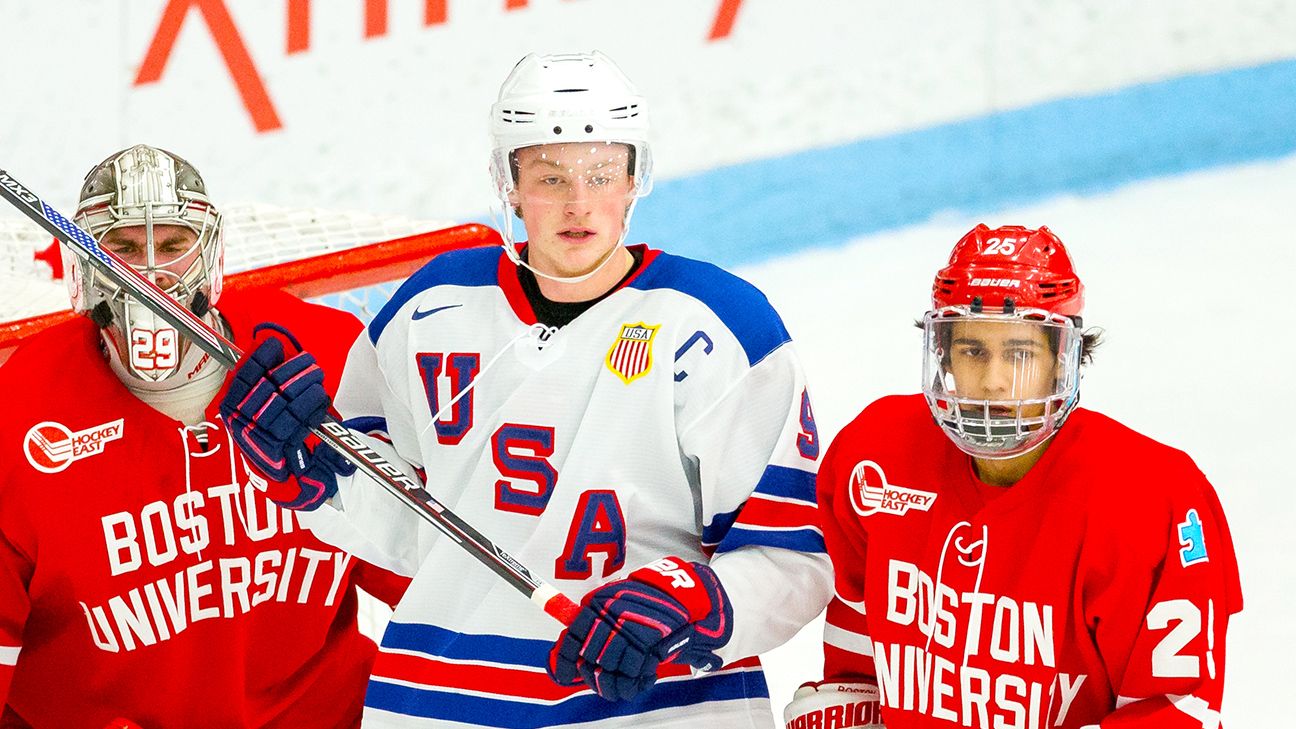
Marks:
<point>1003,341</point>
<point>1010,266</point>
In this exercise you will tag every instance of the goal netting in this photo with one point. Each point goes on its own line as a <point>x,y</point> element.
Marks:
<point>348,260</point>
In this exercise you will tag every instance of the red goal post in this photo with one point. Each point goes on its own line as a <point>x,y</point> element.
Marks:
<point>351,261</point>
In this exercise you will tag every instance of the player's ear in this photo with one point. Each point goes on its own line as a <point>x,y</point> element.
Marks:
<point>513,201</point>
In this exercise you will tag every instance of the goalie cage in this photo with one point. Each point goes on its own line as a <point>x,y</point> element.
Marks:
<point>347,260</point>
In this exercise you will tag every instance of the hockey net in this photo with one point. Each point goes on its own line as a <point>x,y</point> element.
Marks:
<point>348,260</point>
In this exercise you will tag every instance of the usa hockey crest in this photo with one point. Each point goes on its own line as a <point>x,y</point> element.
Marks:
<point>51,447</point>
<point>871,494</point>
<point>631,355</point>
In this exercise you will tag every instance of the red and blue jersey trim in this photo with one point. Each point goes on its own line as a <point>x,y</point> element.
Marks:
<point>781,512</point>
<point>431,672</point>
<point>741,306</point>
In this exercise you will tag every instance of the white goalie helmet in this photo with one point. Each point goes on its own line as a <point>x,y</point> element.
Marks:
<point>560,99</point>
<point>151,208</point>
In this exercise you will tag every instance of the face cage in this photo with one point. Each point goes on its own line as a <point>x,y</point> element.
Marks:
<point>502,175</point>
<point>203,275</point>
<point>969,422</point>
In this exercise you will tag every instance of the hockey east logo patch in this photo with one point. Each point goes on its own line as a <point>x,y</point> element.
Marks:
<point>51,447</point>
<point>871,494</point>
<point>631,354</point>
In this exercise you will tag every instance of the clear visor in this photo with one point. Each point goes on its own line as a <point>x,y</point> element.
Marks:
<point>591,181</point>
<point>564,174</point>
<point>1000,384</point>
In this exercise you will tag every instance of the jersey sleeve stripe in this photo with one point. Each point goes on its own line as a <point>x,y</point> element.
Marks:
<point>1198,709</point>
<point>9,655</point>
<point>848,641</point>
<point>714,533</point>
<point>778,514</point>
<point>800,540</point>
<point>786,486</point>
<point>788,483</point>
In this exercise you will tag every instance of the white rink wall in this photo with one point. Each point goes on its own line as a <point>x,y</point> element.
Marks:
<point>831,150</point>
<point>396,122</point>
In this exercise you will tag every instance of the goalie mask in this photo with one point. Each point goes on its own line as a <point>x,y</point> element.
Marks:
<point>1003,341</point>
<point>568,128</point>
<point>150,208</point>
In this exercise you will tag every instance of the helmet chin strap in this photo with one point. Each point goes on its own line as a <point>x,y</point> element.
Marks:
<point>514,257</point>
<point>511,251</point>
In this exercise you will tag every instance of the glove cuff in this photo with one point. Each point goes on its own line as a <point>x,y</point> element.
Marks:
<point>835,703</point>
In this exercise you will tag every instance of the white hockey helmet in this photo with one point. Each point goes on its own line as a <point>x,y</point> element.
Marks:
<point>146,187</point>
<point>560,98</point>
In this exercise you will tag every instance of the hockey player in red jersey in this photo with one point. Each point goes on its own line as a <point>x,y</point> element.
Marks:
<point>142,577</point>
<point>1003,557</point>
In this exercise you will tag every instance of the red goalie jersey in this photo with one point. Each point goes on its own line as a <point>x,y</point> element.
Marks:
<point>142,575</point>
<point>1095,592</point>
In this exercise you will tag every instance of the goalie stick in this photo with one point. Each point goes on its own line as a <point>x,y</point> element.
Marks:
<point>331,432</point>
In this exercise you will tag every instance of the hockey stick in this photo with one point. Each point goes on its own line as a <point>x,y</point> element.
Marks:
<point>333,433</point>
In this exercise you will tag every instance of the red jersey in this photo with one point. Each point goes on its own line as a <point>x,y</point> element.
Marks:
<point>143,576</point>
<point>1094,592</point>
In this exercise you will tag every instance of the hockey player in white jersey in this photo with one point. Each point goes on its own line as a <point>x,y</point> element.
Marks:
<point>632,425</point>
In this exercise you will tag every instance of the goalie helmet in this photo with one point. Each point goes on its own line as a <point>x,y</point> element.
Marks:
<point>1003,341</point>
<point>151,208</point>
<point>559,99</point>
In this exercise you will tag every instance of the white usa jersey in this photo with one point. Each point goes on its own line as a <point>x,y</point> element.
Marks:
<point>670,418</point>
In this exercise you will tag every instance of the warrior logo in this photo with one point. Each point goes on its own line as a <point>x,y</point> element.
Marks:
<point>870,493</point>
<point>51,447</point>
<point>631,355</point>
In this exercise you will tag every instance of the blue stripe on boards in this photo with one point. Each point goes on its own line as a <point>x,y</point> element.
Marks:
<point>757,210</point>
<point>483,711</point>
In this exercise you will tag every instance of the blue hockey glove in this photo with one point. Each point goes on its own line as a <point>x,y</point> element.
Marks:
<point>670,611</point>
<point>270,407</point>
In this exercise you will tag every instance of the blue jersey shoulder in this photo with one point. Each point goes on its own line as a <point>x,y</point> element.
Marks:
<point>467,267</point>
<point>741,306</point>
